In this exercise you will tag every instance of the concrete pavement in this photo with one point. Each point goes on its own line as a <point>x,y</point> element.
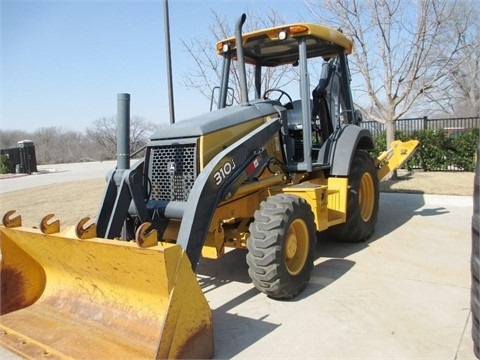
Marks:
<point>404,294</point>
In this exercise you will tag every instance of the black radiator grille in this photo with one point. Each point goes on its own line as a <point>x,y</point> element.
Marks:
<point>173,171</point>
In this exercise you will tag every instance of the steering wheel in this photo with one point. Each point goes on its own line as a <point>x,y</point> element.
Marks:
<point>267,92</point>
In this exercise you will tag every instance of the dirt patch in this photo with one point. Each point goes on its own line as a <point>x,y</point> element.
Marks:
<point>438,183</point>
<point>71,201</point>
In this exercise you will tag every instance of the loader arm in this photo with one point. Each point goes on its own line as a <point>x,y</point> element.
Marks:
<point>214,185</point>
<point>123,188</point>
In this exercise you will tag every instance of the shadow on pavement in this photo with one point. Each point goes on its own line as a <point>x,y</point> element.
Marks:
<point>324,274</point>
<point>231,267</point>
<point>395,210</point>
<point>234,332</point>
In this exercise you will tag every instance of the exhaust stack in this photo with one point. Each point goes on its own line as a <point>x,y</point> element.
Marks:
<point>123,131</point>
<point>241,60</point>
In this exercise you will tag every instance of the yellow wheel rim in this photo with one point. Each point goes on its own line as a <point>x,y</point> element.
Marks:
<point>296,247</point>
<point>366,197</point>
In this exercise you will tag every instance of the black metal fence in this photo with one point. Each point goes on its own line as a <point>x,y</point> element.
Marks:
<point>450,125</point>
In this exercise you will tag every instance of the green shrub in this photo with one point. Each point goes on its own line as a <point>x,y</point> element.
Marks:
<point>380,143</point>
<point>434,149</point>
<point>4,164</point>
<point>463,148</point>
<point>437,150</point>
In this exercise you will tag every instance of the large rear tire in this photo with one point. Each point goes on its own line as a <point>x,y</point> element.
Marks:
<point>362,201</point>
<point>475,261</point>
<point>281,246</point>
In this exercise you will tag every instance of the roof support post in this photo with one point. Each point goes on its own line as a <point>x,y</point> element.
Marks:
<point>306,111</point>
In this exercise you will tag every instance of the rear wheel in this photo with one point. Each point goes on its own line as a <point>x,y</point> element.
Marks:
<point>475,261</point>
<point>281,245</point>
<point>362,201</point>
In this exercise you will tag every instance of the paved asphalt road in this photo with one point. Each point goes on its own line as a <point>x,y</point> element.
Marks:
<point>57,173</point>
<point>403,294</point>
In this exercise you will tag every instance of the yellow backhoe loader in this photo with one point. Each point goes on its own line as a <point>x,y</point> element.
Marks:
<point>266,175</point>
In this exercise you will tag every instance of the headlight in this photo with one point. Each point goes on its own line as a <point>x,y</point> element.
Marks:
<point>282,35</point>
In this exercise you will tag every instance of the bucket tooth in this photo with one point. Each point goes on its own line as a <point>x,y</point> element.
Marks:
<point>83,232</point>
<point>49,228</point>
<point>10,222</point>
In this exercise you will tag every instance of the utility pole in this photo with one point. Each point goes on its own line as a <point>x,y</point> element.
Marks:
<point>171,106</point>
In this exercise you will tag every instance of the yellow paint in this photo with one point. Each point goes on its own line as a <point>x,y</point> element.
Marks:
<point>229,224</point>
<point>313,30</point>
<point>328,202</point>
<point>395,157</point>
<point>227,227</point>
<point>316,197</point>
<point>213,143</point>
<point>297,246</point>
<point>337,200</point>
<point>366,197</point>
<point>101,298</point>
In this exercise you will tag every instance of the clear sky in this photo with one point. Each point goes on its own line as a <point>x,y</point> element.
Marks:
<point>63,62</point>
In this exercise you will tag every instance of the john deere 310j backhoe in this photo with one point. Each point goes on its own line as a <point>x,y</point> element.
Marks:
<point>265,175</point>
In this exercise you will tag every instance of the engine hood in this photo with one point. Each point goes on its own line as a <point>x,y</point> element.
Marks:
<point>214,121</point>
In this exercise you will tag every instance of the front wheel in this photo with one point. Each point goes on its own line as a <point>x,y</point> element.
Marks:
<point>281,246</point>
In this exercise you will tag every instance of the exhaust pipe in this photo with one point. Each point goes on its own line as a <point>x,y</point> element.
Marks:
<point>123,131</point>
<point>241,60</point>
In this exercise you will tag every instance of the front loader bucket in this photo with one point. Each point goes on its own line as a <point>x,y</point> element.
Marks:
<point>62,297</point>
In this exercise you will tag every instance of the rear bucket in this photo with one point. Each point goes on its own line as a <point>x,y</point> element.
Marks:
<point>62,297</point>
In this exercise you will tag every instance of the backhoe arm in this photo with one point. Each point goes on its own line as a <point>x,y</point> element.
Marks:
<point>395,157</point>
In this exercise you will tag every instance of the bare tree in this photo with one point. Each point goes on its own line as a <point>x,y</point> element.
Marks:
<point>46,141</point>
<point>207,72</point>
<point>458,91</point>
<point>75,146</point>
<point>55,145</point>
<point>400,51</point>
<point>465,80</point>
<point>10,138</point>
<point>103,132</point>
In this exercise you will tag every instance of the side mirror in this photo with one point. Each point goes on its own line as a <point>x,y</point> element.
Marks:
<point>357,117</point>
<point>215,95</point>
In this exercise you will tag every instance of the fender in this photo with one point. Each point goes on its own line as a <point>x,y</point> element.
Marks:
<point>344,142</point>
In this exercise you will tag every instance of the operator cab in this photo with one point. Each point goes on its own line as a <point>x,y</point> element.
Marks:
<point>310,120</point>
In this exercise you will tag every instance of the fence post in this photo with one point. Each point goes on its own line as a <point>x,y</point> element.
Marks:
<point>425,123</point>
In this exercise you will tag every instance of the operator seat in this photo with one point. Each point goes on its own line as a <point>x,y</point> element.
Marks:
<point>293,131</point>
<point>294,115</point>
<point>321,127</point>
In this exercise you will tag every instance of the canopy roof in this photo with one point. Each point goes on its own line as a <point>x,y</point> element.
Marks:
<point>279,45</point>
